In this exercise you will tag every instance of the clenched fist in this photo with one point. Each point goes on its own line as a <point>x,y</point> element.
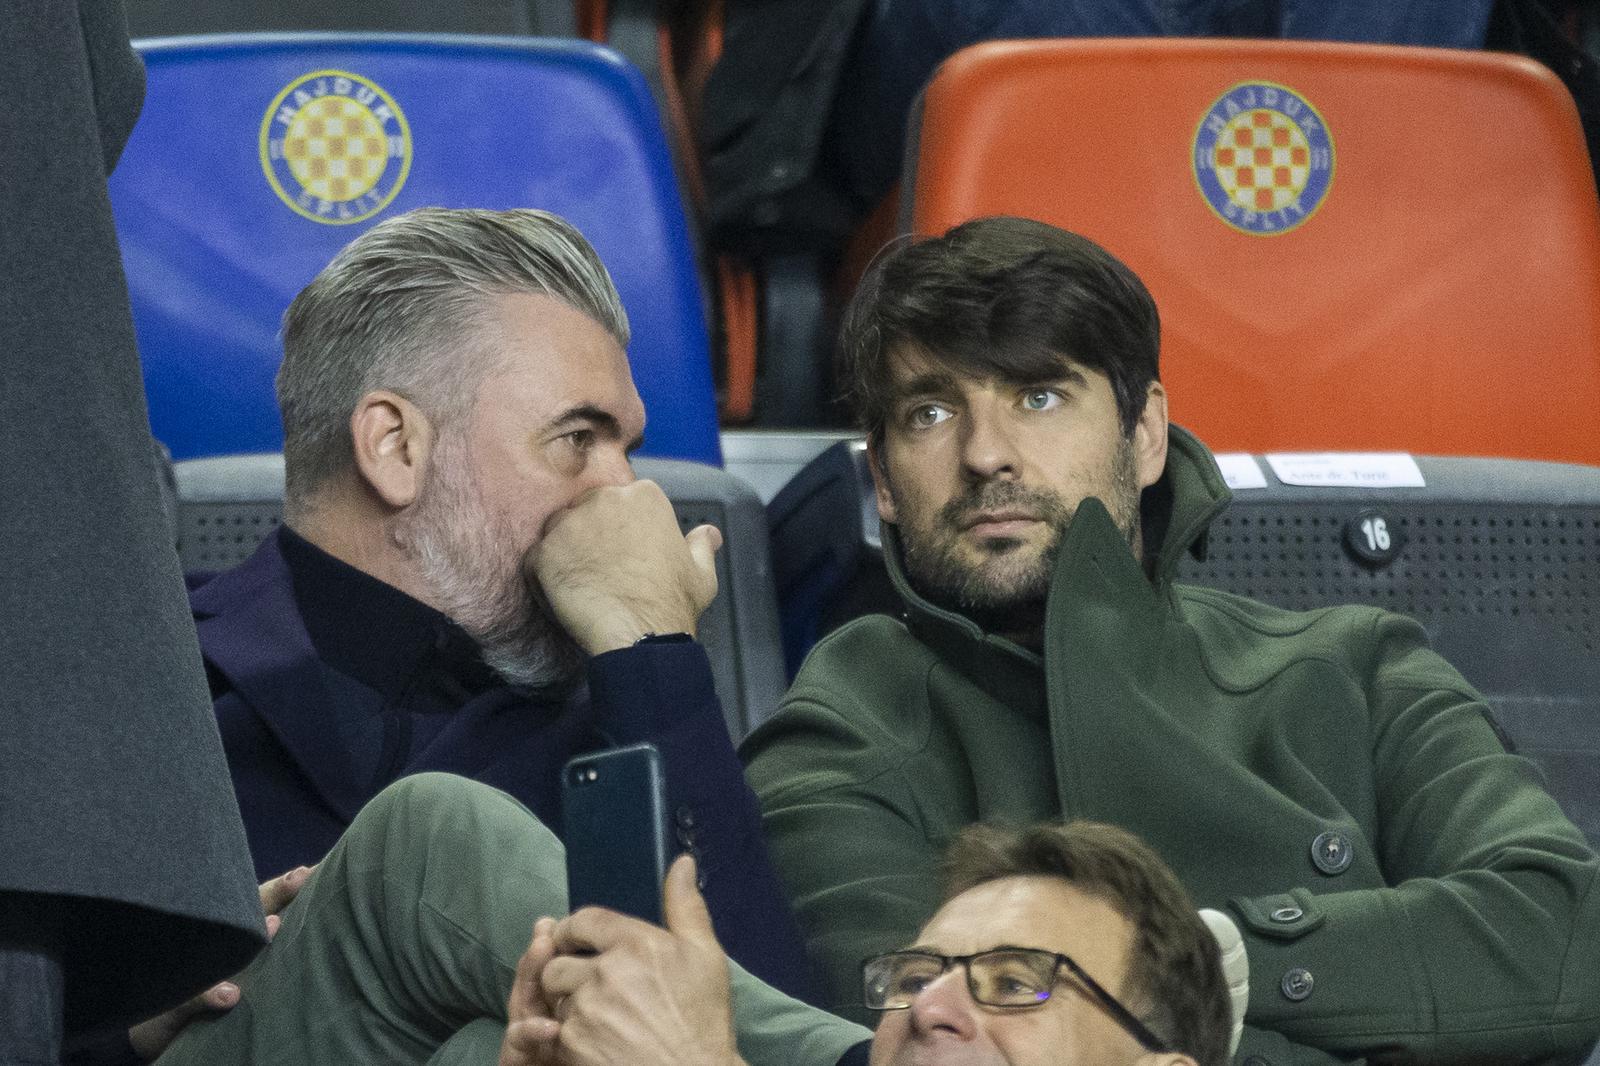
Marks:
<point>615,567</point>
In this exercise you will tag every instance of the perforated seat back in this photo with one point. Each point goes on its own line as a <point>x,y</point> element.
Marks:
<point>1352,246</point>
<point>1499,560</point>
<point>237,187</point>
<point>228,504</point>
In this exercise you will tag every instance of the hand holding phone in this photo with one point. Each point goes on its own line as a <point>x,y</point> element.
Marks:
<point>636,993</point>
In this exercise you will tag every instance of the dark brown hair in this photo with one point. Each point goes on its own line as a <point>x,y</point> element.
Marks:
<point>1174,981</point>
<point>1006,298</point>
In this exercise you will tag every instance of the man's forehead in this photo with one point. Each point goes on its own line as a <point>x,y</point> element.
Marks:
<point>912,369</point>
<point>569,360</point>
<point>1025,911</point>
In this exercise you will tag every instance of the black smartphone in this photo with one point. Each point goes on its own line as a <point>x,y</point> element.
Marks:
<point>615,827</point>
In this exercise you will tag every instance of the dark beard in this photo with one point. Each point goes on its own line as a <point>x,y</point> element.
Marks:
<point>1013,604</point>
<point>944,579</point>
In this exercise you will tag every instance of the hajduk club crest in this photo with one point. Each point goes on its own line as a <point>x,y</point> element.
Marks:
<point>1263,158</point>
<point>335,147</point>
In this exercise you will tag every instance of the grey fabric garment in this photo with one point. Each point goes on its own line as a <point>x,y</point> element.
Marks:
<point>30,1006</point>
<point>114,798</point>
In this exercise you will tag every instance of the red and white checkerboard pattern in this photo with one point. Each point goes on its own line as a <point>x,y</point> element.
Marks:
<point>1262,160</point>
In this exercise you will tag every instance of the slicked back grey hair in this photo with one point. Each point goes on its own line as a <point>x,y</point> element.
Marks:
<point>396,309</point>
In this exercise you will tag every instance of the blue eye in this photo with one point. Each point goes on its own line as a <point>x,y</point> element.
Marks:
<point>1041,399</point>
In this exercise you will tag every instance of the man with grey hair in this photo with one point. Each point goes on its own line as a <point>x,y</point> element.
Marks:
<point>469,578</point>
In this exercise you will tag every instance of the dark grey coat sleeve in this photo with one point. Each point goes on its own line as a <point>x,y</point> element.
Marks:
<point>115,803</point>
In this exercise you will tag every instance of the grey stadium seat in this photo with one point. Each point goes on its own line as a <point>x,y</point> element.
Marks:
<point>1499,560</point>
<point>227,504</point>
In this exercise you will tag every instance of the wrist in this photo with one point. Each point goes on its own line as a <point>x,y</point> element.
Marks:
<point>679,637</point>
<point>633,634</point>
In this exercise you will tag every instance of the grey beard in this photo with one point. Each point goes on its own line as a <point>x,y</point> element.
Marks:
<point>545,665</point>
<point>515,632</point>
<point>526,646</point>
<point>474,574</point>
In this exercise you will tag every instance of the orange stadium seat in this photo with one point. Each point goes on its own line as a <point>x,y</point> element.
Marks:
<point>1353,247</point>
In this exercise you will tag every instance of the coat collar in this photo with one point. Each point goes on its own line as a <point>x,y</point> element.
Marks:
<point>1095,573</point>
<point>252,633</point>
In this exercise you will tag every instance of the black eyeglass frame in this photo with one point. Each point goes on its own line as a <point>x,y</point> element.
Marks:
<point>1120,1014</point>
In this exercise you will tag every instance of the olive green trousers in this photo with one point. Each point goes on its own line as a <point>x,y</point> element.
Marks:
<point>402,946</point>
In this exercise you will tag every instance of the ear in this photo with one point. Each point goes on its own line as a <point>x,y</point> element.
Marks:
<point>393,439</point>
<point>880,479</point>
<point>1150,437</point>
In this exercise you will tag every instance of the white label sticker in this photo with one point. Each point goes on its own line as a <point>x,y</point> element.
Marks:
<point>1241,471</point>
<point>1348,470</point>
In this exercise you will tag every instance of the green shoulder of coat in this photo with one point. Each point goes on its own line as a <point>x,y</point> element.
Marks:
<point>1247,642</point>
<point>859,706</point>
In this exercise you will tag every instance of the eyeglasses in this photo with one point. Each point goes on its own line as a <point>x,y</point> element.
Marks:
<point>1007,977</point>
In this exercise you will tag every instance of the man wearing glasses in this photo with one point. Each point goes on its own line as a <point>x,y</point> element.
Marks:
<point>1063,944</point>
<point>1043,924</point>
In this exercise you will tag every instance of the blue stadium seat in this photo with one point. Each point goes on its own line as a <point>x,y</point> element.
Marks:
<point>228,202</point>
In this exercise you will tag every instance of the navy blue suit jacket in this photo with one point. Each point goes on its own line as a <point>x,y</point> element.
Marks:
<point>297,792</point>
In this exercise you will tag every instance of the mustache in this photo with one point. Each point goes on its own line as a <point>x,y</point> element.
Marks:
<point>1002,496</point>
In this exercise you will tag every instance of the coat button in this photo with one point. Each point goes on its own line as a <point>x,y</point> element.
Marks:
<point>1297,984</point>
<point>1331,853</point>
<point>1287,915</point>
<point>685,817</point>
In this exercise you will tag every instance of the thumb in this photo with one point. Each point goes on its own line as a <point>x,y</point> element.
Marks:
<point>704,542</point>
<point>682,905</point>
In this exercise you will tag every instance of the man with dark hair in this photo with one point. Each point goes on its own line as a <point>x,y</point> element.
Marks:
<point>1405,886</point>
<point>1058,945</point>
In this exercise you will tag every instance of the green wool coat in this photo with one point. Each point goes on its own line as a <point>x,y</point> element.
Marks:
<point>1459,922</point>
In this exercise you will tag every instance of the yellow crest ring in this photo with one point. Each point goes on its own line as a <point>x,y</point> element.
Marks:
<point>335,147</point>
